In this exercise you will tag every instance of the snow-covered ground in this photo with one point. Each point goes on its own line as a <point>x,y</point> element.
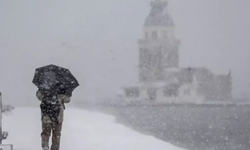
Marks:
<point>82,130</point>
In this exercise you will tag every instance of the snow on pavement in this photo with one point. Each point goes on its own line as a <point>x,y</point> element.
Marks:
<point>82,130</point>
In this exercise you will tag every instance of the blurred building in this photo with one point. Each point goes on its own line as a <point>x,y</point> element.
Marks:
<point>161,78</point>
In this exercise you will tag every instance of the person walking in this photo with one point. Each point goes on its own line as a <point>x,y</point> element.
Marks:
<point>52,112</point>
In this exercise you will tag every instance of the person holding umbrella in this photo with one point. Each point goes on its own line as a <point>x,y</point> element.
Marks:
<point>52,117</point>
<point>55,86</point>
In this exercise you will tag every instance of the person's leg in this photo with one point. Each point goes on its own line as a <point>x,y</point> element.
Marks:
<point>46,131</point>
<point>56,137</point>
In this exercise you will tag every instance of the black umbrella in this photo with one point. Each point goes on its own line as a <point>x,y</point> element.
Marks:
<point>52,77</point>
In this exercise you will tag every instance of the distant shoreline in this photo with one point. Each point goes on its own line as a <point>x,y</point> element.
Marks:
<point>162,104</point>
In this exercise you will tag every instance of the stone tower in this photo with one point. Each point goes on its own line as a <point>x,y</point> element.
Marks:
<point>158,49</point>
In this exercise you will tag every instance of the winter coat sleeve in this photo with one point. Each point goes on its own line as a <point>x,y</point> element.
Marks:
<point>39,95</point>
<point>64,98</point>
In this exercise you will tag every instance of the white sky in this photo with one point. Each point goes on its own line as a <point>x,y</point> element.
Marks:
<point>100,42</point>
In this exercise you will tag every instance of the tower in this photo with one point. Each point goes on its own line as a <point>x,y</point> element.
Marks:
<point>158,49</point>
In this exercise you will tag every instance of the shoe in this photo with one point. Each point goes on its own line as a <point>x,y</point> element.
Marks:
<point>46,148</point>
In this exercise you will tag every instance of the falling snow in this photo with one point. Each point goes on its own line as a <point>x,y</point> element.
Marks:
<point>180,69</point>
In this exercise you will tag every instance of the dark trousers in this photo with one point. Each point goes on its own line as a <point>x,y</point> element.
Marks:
<point>56,135</point>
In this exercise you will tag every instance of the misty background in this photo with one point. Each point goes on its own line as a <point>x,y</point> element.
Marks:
<point>97,41</point>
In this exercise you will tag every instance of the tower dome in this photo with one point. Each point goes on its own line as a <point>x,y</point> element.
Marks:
<point>159,15</point>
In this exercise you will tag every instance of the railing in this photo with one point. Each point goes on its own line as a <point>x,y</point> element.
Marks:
<point>1,137</point>
<point>3,134</point>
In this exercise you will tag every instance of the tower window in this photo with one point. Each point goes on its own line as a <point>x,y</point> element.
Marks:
<point>154,35</point>
<point>152,93</point>
<point>165,34</point>
<point>132,92</point>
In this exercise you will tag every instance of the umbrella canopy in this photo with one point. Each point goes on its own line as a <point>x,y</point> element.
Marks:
<point>52,77</point>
